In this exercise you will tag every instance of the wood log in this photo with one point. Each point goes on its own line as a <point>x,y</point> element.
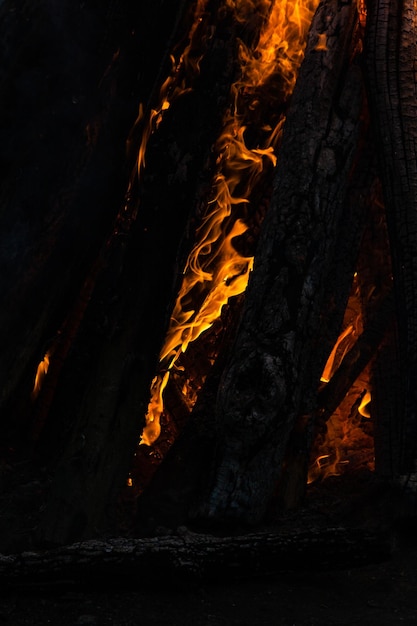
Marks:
<point>69,98</point>
<point>120,338</point>
<point>190,557</point>
<point>391,49</point>
<point>261,388</point>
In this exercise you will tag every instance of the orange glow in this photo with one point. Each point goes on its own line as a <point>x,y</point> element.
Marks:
<point>348,441</point>
<point>322,43</point>
<point>40,375</point>
<point>215,271</point>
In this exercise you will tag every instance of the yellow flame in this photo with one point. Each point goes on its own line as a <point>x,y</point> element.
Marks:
<point>215,271</point>
<point>364,405</point>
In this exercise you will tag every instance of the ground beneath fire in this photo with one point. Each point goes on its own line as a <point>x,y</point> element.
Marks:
<point>382,594</point>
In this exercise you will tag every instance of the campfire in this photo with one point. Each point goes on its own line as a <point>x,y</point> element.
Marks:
<point>224,336</point>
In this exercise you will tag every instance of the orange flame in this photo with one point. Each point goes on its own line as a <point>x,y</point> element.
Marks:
<point>40,375</point>
<point>363,408</point>
<point>214,268</point>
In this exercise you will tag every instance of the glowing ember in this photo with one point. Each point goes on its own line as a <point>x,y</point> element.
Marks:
<point>215,271</point>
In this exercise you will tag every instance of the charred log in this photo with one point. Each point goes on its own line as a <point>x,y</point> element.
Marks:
<point>391,49</point>
<point>188,556</point>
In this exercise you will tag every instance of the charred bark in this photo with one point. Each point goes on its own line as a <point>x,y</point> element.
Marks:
<point>260,392</point>
<point>391,50</point>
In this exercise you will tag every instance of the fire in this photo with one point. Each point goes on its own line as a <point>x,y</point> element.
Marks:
<point>215,271</point>
<point>331,364</point>
<point>363,408</point>
<point>348,440</point>
<point>41,372</point>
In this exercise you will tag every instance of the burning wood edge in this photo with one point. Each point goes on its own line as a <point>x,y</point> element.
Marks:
<point>188,556</point>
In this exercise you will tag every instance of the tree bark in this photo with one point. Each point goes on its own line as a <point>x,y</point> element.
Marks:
<point>262,385</point>
<point>391,50</point>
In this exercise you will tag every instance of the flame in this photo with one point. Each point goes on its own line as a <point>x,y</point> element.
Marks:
<point>41,372</point>
<point>330,366</point>
<point>326,465</point>
<point>348,336</point>
<point>215,271</point>
<point>363,408</point>
<point>177,83</point>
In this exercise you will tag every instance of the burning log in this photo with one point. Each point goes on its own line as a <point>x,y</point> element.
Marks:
<point>251,428</point>
<point>260,392</point>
